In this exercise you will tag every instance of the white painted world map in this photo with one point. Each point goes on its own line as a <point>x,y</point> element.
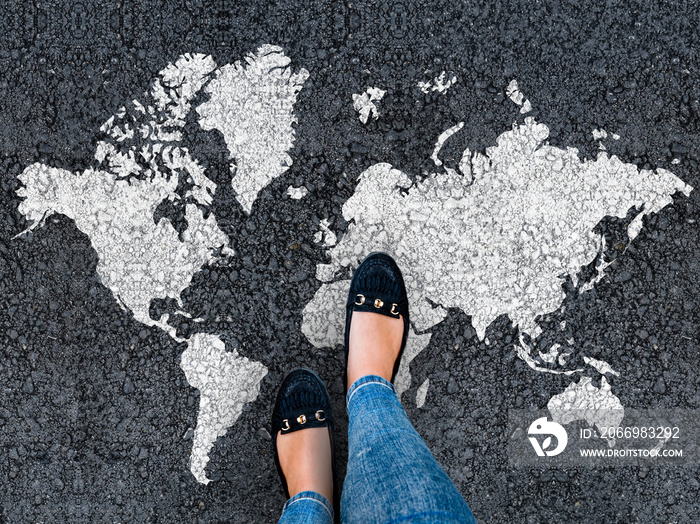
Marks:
<point>251,104</point>
<point>493,238</point>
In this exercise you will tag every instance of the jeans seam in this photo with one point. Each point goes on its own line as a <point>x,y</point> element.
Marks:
<point>323,505</point>
<point>430,513</point>
<point>367,384</point>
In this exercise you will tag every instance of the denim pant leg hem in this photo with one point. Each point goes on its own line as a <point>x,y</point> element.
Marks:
<point>443,517</point>
<point>364,381</point>
<point>307,506</point>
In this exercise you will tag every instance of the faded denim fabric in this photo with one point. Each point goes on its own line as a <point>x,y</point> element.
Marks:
<point>392,476</point>
<point>307,507</point>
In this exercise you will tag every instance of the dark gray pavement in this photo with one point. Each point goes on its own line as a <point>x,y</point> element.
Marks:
<point>95,411</point>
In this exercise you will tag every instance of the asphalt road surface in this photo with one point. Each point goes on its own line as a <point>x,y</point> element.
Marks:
<point>187,185</point>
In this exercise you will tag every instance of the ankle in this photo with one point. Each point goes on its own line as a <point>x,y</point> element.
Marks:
<point>302,474</point>
<point>374,345</point>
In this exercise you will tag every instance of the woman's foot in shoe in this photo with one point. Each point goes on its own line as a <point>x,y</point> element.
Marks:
<point>374,345</point>
<point>306,461</point>
<point>302,435</point>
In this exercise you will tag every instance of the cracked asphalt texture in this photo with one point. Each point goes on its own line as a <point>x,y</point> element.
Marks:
<point>95,412</point>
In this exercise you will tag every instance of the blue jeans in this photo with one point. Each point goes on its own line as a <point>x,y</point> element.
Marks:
<point>392,476</point>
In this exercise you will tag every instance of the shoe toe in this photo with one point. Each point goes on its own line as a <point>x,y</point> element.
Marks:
<point>301,392</point>
<point>379,277</point>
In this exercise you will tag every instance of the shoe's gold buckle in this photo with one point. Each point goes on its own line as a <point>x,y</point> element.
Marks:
<point>301,419</point>
<point>361,300</point>
<point>285,425</point>
<point>378,303</point>
<point>320,414</point>
<point>394,309</point>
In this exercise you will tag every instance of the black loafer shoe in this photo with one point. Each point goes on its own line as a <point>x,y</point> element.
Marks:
<point>377,286</point>
<point>302,402</point>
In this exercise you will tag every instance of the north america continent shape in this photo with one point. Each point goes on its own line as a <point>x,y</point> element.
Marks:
<point>142,163</point>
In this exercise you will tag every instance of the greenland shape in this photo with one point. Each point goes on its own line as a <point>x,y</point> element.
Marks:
<point>252,104</point>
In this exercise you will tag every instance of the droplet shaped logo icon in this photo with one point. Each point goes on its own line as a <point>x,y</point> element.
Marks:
<point>542,427</point>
